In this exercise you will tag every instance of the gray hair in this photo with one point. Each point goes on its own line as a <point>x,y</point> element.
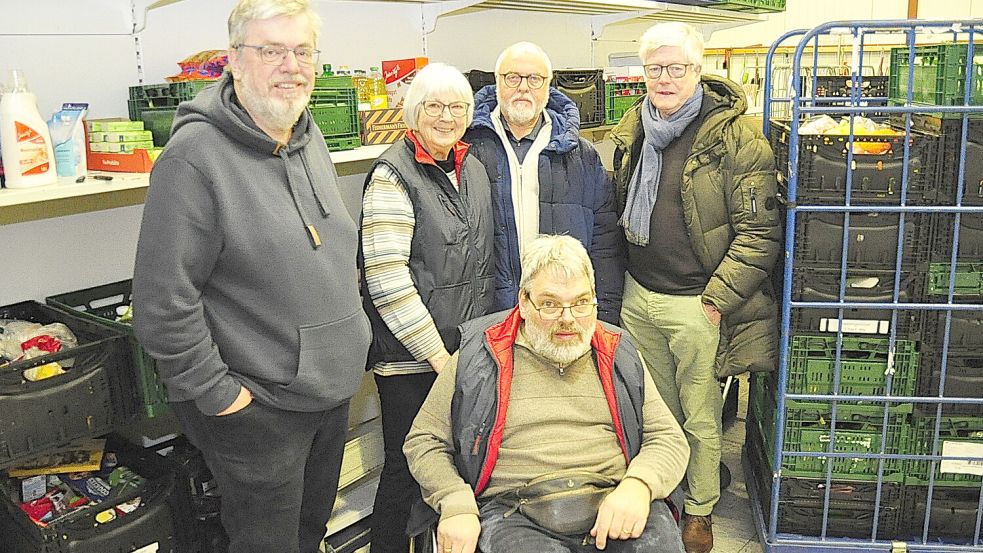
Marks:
<point>252,10</point>
<point>672,33</point>
<point>520,48</point>
<point>433,80</point>
<point>559,254</point>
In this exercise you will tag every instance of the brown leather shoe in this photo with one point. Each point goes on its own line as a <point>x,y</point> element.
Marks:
<point>698,534</point>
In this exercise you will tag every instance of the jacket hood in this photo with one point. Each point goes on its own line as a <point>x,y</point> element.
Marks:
<point>218,106</point>
<point>562,111</point>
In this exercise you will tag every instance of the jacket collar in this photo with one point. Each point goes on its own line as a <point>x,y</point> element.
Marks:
<point>561,110</point>
<point>421,155</point>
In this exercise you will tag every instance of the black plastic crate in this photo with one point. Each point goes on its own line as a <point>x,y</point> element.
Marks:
<point>970,237</point>
<point>823,285</point>
<point>952,517</point>
<point>95,396</point>
<point>963,378</point>
<point>100,304</point>
<point>193,474</point>
<point>878,167</point>
<point>872,239</point>
<point>479,79</point>
<point>586,88</point>
<point>965,333</point>
<point>350,539</point>
<point>162,519</point>
<point>950,148</point>
<point>843,86</point>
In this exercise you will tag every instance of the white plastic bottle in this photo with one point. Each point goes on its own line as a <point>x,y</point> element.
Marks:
<point>25,145</point>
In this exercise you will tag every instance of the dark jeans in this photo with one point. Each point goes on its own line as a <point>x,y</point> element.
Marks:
<point>277,472</point>
<point>514,533</point>
<point>400,397</point>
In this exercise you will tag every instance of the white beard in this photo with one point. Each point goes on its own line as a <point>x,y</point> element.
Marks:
<point>278,114</point>
<point>520,115</point>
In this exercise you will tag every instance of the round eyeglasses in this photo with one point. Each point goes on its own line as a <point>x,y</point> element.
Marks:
<point>433,108</point>
<point>550,311</point>
<point>675,70</point>
<point>274,55</point>
<point>513,80</point>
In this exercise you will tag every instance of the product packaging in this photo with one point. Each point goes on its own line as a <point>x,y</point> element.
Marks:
<point>68,137</point>
<point>398,75</point>
<point>25,143</point>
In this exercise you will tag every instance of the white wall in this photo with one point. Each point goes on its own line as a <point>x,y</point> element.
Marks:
<point>97,62</point>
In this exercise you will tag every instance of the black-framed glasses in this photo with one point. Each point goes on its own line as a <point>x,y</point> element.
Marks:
<point>513,80</point>
<point>551,311</point>
<point>675,70</point>
<point>274,55</point>
<point>434,108</point>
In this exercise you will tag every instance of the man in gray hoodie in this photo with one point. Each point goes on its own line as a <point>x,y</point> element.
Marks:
<point>245,288</point>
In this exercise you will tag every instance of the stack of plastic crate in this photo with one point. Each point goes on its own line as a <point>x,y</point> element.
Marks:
<point>156,104</point>
<point>622,93</point>
<point>334,107</point>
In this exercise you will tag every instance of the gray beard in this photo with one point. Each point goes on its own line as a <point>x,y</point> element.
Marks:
<point>278,115</point>
<point>562,355</point>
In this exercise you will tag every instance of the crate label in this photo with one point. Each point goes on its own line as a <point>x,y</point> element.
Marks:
<point>962,449</point>
<point>152,548</point>
<point>855,326</point>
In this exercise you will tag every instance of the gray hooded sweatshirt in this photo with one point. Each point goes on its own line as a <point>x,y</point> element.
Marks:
<point>245,268</point>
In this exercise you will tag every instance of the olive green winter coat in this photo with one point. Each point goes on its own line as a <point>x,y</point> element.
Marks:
<point>732,219</point>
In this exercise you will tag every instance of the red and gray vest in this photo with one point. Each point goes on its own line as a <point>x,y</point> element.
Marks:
<point>484,379</point>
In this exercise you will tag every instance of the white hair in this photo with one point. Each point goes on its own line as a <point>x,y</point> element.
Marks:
<point>520,48</point>
<point>672,33</point>
<point>252,10</point>
<point>433,80</point>
<point>563,256</point>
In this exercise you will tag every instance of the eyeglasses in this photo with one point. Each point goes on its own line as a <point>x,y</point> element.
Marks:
<point>274,55</point>
<point>675,70</point>
<point>513,80</point>
<point>433,108</point>
<point>550,311</point>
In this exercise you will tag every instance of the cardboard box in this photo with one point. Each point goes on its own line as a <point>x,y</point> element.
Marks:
<point>398,75</point>
<point>137,162</point>
<point>382,126</point>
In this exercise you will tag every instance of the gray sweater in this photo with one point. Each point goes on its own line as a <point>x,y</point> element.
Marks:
<point>245,268</point>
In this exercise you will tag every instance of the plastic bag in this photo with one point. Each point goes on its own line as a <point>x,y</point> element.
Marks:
<point>205,65</point>
<point>21,340</point>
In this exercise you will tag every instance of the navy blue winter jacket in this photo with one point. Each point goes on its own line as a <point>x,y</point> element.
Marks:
<point>576,197</point>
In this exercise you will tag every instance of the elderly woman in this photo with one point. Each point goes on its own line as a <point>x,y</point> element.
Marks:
<point>696,184</point>
<point>427,243</point>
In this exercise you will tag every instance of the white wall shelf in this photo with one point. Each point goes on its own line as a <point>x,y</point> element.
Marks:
<point>602,13</point>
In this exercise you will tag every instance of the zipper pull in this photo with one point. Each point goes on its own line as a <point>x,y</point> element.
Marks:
<point>477,444</point>
<point>754,203</point>
<point>514,508</point>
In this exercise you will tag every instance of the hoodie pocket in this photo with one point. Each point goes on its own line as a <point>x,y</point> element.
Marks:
<point>332,358</point>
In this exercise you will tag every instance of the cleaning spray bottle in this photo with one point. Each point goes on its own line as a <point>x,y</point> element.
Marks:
<point>25,144</point>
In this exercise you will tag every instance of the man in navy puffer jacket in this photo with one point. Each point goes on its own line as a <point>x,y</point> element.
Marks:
<point>545,178</point>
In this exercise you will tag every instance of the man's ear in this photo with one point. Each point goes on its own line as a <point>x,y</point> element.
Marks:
<point>233,65</point>
<point>522,304</point>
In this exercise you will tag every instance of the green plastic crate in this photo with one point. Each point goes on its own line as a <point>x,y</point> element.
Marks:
<point>939,76</point>
<point>99,304</point>
<point>158,121</point>
<point>335,112</point>
<point>163,95</point>
<point>339,143</point>
<point>968,277</point>
<point>751,6</point>
<point>621,97</point>
<point>334,81</point>
<point>858,430</point>
<point>863,362</point>
<point>951,429</point>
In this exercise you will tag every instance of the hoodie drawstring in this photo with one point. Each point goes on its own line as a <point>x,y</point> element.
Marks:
<point>311,231</point>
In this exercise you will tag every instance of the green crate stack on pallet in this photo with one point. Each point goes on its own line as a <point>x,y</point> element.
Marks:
<point>156,104</point>
<point>334,107</point>
<point>938,78</point>
<point>621,95</point>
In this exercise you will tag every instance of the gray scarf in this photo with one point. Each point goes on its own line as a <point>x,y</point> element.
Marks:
<point>644,187</point>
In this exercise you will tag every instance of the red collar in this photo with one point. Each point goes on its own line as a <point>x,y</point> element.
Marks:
<point>422,156</point>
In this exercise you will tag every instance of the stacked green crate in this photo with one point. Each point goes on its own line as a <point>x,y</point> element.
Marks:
<point>334,107</point>
<point>938,76</point>
<point>968,279</point>
<point>621,95</point>
<point>156,104</point>
<point>750,6</point>
<point>960,436</point>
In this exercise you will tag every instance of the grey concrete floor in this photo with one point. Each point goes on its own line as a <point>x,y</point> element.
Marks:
<point>733,522</point>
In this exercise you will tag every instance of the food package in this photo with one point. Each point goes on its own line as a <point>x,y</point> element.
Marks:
<point>205,65</point>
